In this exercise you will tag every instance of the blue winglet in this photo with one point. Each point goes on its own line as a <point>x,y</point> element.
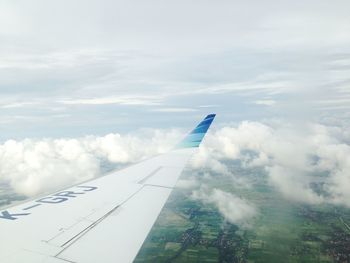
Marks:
<point>195,137</point>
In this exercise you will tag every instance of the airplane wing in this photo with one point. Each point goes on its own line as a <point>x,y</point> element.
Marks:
<point>103,220</point>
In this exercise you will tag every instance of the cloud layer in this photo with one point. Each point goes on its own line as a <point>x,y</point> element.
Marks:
<point>234,209</point>
<point>36,166</point>
<point>306,162</point>
<point>65,66</point>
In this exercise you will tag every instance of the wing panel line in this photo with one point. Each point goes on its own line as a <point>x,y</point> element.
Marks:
<point>72,240</point>
<point>142,181</point>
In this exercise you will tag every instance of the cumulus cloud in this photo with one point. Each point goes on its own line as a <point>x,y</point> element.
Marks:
<point>305,162</point>
<point>234,209</point>
<point>34,166</point>
<point>189,183</point>
<point>294,184</point>
<point>228,143</point>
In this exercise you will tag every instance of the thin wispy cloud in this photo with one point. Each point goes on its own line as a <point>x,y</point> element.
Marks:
<point>175,110</point>
<point>146,101</point>
<point>106,66</point>
<point>265,102</point>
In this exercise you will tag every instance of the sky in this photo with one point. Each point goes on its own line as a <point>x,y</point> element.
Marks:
<point>93,67</point>
<point>87,81</point>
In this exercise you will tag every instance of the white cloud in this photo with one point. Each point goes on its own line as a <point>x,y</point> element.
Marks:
<point>295,157</point>
<point>123,100</point>
<point>35,166</point>
<point>156,25</point>
<point>174,110</point>
<point>294,184</point>
<point>234,209</point>
<point>189,183</point>
<point>18,105</point>
<point>265,102</point>
<point>209,106</point>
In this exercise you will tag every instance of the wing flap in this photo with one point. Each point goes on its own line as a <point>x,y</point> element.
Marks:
<point>164,177</point>
<point>119,237</point>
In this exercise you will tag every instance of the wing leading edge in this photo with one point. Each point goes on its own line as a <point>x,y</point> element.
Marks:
<point>104,220</point>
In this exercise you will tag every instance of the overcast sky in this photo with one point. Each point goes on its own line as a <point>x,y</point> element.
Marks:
<point>70,68</point>
<point>277,73</point>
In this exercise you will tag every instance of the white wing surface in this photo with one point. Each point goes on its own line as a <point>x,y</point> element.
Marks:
<point>104,220</point>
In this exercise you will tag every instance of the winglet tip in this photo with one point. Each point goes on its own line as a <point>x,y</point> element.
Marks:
<point>211,115</point>
<point>195,137</point>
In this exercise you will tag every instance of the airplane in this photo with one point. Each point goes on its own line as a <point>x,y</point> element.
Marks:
<point>103,220</point>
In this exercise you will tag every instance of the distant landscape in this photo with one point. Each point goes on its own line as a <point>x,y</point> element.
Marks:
<point>282,231</point>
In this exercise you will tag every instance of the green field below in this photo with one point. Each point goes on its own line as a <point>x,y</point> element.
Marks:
<point>188,230</point>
